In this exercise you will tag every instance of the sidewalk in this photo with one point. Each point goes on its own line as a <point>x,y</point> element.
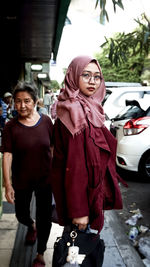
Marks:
<point>119,251</point>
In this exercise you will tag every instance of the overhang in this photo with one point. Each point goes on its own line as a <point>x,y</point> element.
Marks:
<point>30,32</point>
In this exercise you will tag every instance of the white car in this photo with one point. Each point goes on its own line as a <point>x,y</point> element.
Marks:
<point>132,130</point>
<point>115,98</point>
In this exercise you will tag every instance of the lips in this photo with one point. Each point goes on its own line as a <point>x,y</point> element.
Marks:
<point>91,89</point>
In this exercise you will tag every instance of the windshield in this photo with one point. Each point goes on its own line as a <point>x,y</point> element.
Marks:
<point>130,112</point>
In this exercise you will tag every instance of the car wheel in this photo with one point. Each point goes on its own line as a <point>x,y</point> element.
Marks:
<point>144,166</point>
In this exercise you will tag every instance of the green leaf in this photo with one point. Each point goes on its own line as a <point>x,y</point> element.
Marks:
<point>114,4</point>
<point>96,4</point>
<point>119,3</point>
<point>102,4</point>
<point>104,44</point>
<point>102,17</point>
<point>146,35</point>
<point>107,17</point>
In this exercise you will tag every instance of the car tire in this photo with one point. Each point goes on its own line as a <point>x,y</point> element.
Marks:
<point>144,166</point>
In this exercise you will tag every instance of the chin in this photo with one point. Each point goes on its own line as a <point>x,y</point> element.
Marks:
<point>91,93</point>
<point>23,115</point>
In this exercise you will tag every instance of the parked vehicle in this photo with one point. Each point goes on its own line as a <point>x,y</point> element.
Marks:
<point>132,130</point>
<point>114,101</point>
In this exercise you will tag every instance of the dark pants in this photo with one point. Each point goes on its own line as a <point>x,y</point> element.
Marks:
<point>43,198</point>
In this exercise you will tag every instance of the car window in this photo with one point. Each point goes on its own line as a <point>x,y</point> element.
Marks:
<point>148,112</point>
<point>130,112</point>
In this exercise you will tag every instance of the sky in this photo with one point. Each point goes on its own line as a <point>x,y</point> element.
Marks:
<point>85,34</point>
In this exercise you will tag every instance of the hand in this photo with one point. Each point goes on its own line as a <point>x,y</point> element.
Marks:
<point>9,194</point>
<point>82,222</point>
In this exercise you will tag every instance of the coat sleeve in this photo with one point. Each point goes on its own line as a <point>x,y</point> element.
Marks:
<point>69,174</point>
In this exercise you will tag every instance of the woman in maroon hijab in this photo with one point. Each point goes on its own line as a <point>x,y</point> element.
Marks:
<point>84,175</point>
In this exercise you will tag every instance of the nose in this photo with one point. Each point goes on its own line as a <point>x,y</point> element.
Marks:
<point>92,79</point>
<point>22,104</point>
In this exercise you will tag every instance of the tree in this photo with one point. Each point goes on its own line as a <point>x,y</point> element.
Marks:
<point>130,70</point>
<point>145,77</point>
<point>130,51</point>
<point>103,12</point>
<point>123,46</point>
<point>55,85</point>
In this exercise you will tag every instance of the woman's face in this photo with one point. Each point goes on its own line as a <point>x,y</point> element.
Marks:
<point>24,104</point>
<point>90,79</point>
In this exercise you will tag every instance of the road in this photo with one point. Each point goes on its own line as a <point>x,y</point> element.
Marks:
<point>136,196</point>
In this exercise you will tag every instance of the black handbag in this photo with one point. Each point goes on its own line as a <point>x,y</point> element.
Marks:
<point>90,245</point>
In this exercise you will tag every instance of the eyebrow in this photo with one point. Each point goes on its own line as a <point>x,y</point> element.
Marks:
<point>18,98</point>
<point>91,72</point>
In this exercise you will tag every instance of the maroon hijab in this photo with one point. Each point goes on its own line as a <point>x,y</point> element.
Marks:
<point>74,108</point>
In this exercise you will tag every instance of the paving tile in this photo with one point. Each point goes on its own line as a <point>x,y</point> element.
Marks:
<point>55,232</point>
<point>112,258</point>
<point>5,256</point>
<point>8,221</point>
<point>8,208</point>
<point>48,257</point>
<point>7,239</point>
<point>107,236</point>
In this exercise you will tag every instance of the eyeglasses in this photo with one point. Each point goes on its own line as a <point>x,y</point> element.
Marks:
<point>86,77</point>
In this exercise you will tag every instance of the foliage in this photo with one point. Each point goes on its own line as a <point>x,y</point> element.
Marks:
<point>124,55</point>
<point>64,71</point>
<point>123,46</point>
<point>55,85</point>
<point>145,77</point>
<point>103,12</point>
<point>130,70</point>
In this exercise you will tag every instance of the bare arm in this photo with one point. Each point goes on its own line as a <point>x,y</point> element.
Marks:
<point>6,165</point>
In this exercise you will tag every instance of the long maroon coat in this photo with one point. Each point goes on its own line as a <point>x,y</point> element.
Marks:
<point>84,178</point>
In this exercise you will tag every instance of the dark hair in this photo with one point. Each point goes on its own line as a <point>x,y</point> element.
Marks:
<point>30,88</point>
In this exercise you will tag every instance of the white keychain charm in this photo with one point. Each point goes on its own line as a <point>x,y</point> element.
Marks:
<point>74,258</point>
<point>73,253</point>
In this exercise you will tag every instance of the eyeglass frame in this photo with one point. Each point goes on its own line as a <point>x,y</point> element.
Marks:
<point>91,76</point>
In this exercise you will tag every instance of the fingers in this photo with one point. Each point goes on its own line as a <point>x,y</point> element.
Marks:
<point>82,226</point>
<point>10,197</point>
<point>81,222</point>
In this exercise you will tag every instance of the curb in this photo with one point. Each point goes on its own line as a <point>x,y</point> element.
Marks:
<point>128,253</point>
